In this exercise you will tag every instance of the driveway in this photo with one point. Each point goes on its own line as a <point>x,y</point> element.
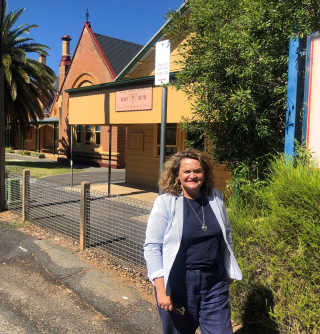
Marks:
<point>46,288</point>
<point>91,175</point>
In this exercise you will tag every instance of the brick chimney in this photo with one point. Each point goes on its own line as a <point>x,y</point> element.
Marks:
<point>65,61</point>
<point>42,59</point>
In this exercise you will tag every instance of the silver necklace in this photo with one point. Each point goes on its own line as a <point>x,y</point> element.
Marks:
<point>204,226</point>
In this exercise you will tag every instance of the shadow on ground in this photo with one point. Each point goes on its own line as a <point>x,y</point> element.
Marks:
<point>256,318</point>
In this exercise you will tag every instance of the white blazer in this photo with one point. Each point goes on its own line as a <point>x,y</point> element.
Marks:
<point>164,233</point>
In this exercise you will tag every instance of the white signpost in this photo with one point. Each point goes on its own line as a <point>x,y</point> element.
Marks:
<point>162,63</point>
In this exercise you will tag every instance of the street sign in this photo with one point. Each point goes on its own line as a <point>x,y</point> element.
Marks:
<point>162,63</point>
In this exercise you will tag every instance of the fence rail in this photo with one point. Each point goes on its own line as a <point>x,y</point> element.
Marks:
<point>113,224</point>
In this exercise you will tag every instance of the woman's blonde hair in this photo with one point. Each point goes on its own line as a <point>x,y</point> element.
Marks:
<point>169,179</point>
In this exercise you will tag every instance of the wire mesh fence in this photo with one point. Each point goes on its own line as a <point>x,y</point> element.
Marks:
<point>113,224</point>
<point>118,225</point>
<point>13,191</point>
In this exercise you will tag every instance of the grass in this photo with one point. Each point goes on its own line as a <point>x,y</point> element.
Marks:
<point>39,169</point>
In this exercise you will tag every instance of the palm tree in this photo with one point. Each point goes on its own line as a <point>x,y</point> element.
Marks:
<point>28,84</point>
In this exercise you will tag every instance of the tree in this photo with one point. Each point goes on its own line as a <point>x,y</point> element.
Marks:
<point>235,69</point>
<point>28,84</point>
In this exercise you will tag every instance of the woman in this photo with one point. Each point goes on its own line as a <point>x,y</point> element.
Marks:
<point>188,249</point>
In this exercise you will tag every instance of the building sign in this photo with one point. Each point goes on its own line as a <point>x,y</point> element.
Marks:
<point>162,63</point>
<point>313,120</point>
<point>134,99</point>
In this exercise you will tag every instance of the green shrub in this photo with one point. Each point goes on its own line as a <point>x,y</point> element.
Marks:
<point>9,150</point>
<point>277,243</point>
<point>26,152</point>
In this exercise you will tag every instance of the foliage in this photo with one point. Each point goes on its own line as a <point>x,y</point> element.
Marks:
<point>302,154</point>
<point>195,138</point>
<point>9,150</point>
<point>278,247</point>
<point>28,84</point>
<point>235,69</point>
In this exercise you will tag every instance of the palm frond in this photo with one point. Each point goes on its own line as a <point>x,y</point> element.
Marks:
<point>29,84</point>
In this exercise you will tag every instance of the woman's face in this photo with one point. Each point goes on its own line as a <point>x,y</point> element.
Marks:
<point>191,176</point>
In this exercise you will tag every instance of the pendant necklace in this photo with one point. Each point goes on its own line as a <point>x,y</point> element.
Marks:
<point>204,226</point>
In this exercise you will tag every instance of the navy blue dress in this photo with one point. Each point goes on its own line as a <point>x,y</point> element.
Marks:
<point>198,280</point>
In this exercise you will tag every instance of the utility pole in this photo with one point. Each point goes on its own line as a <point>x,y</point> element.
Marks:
<point>2,119</point>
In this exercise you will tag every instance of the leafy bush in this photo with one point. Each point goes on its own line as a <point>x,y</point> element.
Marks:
<point>277,243</point>
<point>26,152</point>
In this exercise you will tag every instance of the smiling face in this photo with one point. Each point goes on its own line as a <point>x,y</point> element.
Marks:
<point>191,176</point>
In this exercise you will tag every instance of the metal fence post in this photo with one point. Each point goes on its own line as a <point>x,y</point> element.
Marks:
<point>84,215</point>
<point>25,194</point>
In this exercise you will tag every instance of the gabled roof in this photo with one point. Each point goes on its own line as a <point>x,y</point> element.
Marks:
<point>145,51</point>
<point>115,54</point>
<point>117,51</point>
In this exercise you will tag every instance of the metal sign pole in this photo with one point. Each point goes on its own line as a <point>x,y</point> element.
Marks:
<point>163,126</point>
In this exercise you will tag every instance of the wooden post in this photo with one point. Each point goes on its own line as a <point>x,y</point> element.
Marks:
<point>38,138</point>
<point>54,139</point>
<point>109,160</point>
<point>292,97</point>
<point>84,215</point>
<point>25,194</point>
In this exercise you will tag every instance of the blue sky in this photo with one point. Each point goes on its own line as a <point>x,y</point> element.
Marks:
<point>131,20</point>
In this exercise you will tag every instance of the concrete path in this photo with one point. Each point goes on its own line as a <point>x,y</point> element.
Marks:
<point>46,288</point>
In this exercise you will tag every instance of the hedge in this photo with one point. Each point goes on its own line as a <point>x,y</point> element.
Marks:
<point>277,243</point>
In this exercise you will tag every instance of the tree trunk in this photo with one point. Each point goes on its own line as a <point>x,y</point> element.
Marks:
<point>2,120</point>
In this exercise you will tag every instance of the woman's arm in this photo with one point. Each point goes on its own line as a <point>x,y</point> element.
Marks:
<point>157,224</point>
<point>163,300</point>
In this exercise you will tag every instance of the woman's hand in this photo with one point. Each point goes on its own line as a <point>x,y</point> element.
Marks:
<point>164,301</point>
<point>230,280</point>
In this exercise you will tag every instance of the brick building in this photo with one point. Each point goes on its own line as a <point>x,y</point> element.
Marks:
<point>96,59</point>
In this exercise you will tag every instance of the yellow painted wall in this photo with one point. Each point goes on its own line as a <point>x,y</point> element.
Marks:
<point>143,164</point>
<point>99,107</point>
<point>87,109</point>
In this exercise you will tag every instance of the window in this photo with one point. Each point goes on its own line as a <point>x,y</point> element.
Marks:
<point>171,138</point>
<point>98,132</point>
<point>78,133</point>
<point>89,134</point>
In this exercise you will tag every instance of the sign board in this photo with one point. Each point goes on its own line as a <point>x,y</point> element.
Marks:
<point>162,63</point>
<point>313,99</point>
<point>134,99</point>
